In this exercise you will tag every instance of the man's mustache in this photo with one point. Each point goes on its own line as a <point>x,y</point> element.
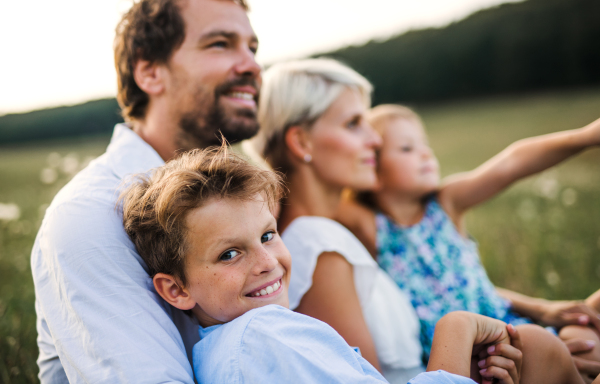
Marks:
<point>225,88</point>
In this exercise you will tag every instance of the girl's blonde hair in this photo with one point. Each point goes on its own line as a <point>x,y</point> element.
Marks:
<point>298,93</point>
<point>381,114</point>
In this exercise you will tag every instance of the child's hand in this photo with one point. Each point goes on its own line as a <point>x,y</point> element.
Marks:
<point>503,361</point>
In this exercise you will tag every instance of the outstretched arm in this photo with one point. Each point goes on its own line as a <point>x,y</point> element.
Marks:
<point>521,159</point>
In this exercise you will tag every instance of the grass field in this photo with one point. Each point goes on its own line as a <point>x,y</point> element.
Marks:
<point>541,237</point>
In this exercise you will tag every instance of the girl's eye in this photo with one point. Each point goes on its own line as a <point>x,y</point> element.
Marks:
<point>267,237</point>
<point>229,255</point>
<point>406,148</point>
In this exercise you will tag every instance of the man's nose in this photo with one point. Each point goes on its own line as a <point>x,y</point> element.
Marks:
<point>247,65</point>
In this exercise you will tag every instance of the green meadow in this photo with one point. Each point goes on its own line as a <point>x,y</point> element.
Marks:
<point>541,237</point>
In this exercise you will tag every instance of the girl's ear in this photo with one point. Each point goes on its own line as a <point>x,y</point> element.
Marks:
<point>149,77</point>
<point>173,291</point>
<point>298,142</point>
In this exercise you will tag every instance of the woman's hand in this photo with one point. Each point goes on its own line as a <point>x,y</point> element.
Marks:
<point>502,361</point>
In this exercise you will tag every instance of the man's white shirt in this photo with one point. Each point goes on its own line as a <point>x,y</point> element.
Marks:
<point>99,318</point>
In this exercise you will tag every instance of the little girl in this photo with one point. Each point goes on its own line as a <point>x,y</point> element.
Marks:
<point>413,224</point>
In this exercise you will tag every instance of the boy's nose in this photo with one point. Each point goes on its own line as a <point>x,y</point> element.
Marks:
<point>265,262</point>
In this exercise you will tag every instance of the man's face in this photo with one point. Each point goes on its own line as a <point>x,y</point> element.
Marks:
<point>213,79</point>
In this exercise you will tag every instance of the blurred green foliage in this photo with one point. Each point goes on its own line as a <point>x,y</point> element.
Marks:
<point>541,237</point>
<point>511,48</point>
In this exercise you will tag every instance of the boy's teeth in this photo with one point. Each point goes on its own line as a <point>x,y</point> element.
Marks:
<point>242,95</point>
<point>267,290</point>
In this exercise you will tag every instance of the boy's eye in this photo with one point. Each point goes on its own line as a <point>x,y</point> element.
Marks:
<point>267,237</point>
<point>229,255</point>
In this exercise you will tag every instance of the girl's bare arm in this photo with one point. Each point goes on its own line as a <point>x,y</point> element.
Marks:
<point>521,159</point>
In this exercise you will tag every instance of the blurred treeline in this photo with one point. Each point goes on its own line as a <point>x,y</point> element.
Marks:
<point>512,48</point>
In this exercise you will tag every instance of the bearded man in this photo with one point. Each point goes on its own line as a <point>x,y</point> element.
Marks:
<point>187,78</point>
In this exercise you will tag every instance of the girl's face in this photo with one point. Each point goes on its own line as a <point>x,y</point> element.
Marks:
<point>407,164</point>
<point>235,260</point>
<point>343,144</point>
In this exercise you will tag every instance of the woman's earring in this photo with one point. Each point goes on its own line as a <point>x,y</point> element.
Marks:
<point>307,158</point>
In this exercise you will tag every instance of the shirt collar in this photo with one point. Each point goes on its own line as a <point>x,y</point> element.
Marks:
<point>130,154</point>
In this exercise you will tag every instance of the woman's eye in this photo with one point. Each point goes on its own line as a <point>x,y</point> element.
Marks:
<point>267,237</point>
<point>228,255</point>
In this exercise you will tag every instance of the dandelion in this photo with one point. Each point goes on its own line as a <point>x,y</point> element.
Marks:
<point>547,187</point>
<point>569,197</point>
<point>54,160</point>
<point>552,278</point>
<point>70,164</point>
<point>9,212</point>
<point>48,175</point>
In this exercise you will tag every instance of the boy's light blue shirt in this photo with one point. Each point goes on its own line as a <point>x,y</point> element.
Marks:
<point>274,344</point>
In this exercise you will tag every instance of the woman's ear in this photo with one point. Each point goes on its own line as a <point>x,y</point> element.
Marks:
<point>173,291</point>
<point>149,76</point>
<point>298,142</point>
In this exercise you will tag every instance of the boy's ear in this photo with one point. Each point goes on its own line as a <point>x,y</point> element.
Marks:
<point>298,142</point>
<point>173,291</point>
<point>149,76</point>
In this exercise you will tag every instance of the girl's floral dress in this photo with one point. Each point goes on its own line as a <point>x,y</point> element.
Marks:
<point>439,269</point>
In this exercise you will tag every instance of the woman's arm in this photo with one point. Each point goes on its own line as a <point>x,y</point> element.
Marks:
<point>521,159</point>
<point>332,298</point>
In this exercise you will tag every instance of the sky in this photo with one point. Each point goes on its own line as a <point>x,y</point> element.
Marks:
<point>60,52</point>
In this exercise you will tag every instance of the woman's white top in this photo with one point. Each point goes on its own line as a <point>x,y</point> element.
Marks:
<point>390,317</point>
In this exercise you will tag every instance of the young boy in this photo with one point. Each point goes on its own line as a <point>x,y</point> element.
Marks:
<point>204,226</point>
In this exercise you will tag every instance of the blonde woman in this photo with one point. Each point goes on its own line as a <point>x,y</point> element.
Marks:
<point>313,129</point>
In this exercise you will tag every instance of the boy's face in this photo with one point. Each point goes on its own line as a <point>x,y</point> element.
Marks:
<point>235,259</point>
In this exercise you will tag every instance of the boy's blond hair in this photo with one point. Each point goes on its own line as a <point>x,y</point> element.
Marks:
<point>155,206</point>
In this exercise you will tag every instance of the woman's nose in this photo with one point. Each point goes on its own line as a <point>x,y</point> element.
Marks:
<point>374,139</point>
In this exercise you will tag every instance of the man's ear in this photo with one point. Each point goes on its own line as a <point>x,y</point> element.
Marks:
<point>149,76</point>
<point>170,289</point>
<point>298,142</point>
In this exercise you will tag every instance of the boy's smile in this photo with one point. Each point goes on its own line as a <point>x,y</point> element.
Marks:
<point>234,260</point>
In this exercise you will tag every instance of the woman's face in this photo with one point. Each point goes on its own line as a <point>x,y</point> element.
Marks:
<point>343,144</point>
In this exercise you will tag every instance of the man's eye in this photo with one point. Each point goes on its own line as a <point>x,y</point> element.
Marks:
<point>219,44</point>
<point>228,255</point>
<point>267,237</point>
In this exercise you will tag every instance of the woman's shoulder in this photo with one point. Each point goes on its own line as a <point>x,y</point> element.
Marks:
<point>311,236</point>
<point>360,220</point>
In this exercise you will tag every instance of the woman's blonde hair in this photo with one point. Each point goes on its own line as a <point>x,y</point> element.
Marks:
<point>298,93</point>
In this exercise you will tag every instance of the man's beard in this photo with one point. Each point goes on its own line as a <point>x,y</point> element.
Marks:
<point>203,128</point>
